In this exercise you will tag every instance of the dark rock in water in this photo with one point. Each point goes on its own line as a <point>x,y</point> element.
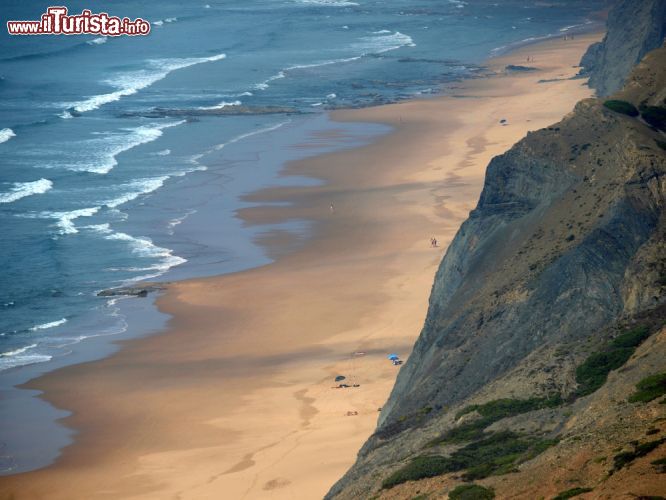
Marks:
<point>225,111</point>
<point>142,291</point>
<point>73,112</point>
<point>514,67</point>
<point>634,29</point>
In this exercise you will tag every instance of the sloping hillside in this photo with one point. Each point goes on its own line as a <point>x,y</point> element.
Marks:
<point>545,313</point>
<point>634,29</point>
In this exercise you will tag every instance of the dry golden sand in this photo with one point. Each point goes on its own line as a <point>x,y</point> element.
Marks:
<point>235,400</point>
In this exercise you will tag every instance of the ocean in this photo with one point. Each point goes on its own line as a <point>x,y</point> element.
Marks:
<point>125,159</point>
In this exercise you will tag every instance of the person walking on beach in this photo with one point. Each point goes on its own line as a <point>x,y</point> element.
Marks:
<point>433,242</point>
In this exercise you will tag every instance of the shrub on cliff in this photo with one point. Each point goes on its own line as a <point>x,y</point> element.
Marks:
<point>649,388</point>
<point>573,492</point>
<point>471,492</point>
<point>623,107</point>
<point>418,468</point>
<point>593,372</point>
<point>640,450</point>
<point>655,116</point>
<point>497,453</point>
<point>491,412</point>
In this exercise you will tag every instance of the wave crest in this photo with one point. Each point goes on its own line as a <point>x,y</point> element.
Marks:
<point>131,82</point>
<point>23,189</point>
<point>6,134</point>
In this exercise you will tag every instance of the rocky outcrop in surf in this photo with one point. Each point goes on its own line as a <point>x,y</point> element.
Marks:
<point>233,110</point>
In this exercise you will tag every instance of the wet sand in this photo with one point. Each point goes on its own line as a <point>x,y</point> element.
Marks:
<point>236,399</point>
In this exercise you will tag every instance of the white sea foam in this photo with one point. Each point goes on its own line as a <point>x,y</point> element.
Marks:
<point>250,134</point>
<point>20,357</point>
<point>222,105</point>
<point>102,150</point>
<point>46,326</point>
<point>144,247</point>
<point>385,42</point>
<point>6,134</point>
<point>65,220</point>
<point>178,220</point>
<point>282,74</point>
<point>328,3</point>
<point>381,41</point>
<point>164,152</point>
<point>97,41</point>
<point>265,84</point>
<point>99,228</point>
<point>499,50</point>
<point>567,28</point>
<point>322,63</point>
<point>23,189</point>
<point>18,351</point>
<point>158,23</point>
<point>137,188</point>
<point>131,82</point>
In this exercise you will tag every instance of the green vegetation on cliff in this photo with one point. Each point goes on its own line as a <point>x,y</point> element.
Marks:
<point>593,372</point>
<point>623,107</point>
<point>471,492</point>
<point>491,412</point>
<point>640,450</point>
<point>570,493</point>
<point>497,453</point>
<point>655,116</point>
<point>649,388</point>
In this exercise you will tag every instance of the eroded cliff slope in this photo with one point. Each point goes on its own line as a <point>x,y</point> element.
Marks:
<point>545,313</point>
<point>635,27</point>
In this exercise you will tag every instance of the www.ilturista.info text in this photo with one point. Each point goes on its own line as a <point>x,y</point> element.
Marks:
<point>56,21</point>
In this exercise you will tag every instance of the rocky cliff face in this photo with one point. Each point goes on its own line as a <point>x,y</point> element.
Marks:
<point>564,252</point>
<point>635,27</point>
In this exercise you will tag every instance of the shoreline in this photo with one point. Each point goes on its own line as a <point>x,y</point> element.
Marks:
<point>383,215</point>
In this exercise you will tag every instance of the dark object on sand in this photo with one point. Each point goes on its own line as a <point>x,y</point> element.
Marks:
<point>515,67</point>
<point>339,378</point>
<point>503,121</point>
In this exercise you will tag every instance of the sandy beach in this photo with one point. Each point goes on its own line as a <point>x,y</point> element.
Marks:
<point>237,398</point>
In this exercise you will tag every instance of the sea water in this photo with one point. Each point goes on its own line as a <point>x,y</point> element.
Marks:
<point>107,163</point>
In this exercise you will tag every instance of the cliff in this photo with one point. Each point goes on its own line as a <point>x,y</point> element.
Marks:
<point>554,283</point>
<point>634,29</point>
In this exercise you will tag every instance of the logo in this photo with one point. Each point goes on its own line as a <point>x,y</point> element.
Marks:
<point>57,21</point>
